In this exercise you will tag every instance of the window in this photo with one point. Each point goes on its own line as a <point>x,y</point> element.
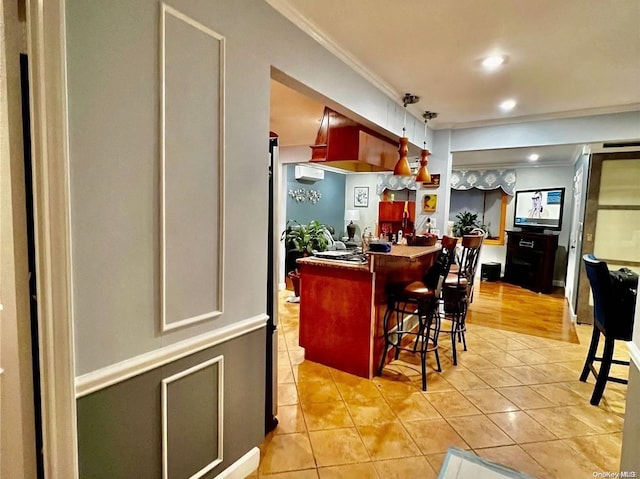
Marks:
<point>490,206</point>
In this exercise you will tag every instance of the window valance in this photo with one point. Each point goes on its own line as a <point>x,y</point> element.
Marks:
<point>395,183</point>
<point>484,180</point>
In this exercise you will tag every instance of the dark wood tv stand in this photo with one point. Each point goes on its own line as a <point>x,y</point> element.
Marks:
<point>530,260</point>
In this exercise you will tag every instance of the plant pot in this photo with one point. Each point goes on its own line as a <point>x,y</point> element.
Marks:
<point>294,276</point>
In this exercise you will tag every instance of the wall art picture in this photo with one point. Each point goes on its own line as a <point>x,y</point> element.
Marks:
<point>361,196</point>
<point>429,203</point>
<point>434,183</point>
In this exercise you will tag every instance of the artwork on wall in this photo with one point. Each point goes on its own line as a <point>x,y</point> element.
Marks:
<point>361,196</point>
<point>429,203</point>
<point>302,195</point>
<point>434,183</point>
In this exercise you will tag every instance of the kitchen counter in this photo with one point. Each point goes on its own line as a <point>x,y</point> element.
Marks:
<point>342,305</point>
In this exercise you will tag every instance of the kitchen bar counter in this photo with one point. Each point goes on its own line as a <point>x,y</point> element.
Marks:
<point>342,305</point>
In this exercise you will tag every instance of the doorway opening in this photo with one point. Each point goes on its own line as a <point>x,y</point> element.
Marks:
<point>33,305</point>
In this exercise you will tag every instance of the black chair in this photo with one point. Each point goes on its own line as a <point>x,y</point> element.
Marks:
<point>419,300</point>
<point>611,319</point>
<point>457,292</point>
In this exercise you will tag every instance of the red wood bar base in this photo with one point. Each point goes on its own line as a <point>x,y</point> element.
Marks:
<point>342,305</point>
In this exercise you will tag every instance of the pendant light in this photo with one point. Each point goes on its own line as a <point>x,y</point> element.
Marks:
<point>402,167</point>
<point>423,175</point>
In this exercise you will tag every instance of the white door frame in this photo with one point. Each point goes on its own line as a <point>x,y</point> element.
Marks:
<point>47,71</point>
<point>575,237</point>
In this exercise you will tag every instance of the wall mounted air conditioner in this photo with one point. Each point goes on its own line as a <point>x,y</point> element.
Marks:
<point>308,173</point>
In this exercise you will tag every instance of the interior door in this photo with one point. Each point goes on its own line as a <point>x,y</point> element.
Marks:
<point>574,241</point>
<point>271,394</point>
<point>612,219</point>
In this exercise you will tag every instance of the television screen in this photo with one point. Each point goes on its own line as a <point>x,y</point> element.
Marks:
<point>539,208</point>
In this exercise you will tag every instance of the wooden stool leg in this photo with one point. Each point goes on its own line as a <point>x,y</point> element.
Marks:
<point>593,347</point>
<point>603,374</point>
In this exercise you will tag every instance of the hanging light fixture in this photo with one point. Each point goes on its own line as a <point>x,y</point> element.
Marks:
<point>402,167</point>
<point>423,173</point>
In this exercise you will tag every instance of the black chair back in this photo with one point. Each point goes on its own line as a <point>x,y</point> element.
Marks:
<point>608,315</point>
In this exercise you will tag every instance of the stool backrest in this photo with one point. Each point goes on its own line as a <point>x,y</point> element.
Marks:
<point>609,313</point>
<point>468,259</point>
<point>435,275</point>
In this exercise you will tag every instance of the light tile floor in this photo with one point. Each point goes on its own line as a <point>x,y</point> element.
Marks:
<point>513,398</point>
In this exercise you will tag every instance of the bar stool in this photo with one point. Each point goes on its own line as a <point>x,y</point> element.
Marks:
<point>613,315</point>
<point>457,292</point>
<point>419,300</point>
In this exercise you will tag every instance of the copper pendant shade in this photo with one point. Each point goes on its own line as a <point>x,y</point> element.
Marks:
<point>402,167</point>
<point>423,173</point>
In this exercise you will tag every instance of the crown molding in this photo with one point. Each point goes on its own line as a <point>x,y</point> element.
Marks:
<point>608,110</point>
<point>311,29</point>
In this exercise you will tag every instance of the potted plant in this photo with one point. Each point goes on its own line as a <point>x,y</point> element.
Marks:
<point>306,238</point>
<point>302,240</point>
<point>466,221</point>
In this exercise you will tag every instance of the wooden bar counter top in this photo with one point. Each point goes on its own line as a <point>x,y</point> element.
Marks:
<point>342,305</point>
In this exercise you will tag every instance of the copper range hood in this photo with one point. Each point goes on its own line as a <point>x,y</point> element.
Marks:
<point>346,144</point>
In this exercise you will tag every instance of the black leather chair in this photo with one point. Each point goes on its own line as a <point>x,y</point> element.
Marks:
<point>611,320</point>
<point>419,300</point>
<point>457,292</point>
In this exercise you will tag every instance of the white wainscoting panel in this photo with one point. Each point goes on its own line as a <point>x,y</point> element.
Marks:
<point>217,364</point>
<point>192,170</point>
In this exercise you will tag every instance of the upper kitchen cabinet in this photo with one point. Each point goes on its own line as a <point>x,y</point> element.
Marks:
<point>348,145</point>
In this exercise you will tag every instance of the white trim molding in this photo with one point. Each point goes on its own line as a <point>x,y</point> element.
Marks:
<point>116,373</point>
<point>243,467</point>
<point>634,353</point>
<point>49,127</point>
<point>167,324</point>
<point>219,361</point>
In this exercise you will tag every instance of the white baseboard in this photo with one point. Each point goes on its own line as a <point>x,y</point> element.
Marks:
<point>574,316</point>
<point>634,353</point>
<point>244,466</point>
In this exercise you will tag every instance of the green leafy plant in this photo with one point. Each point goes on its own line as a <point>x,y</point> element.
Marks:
<point>301,240</point>
<point>306,238</point>
<point>465,222</point>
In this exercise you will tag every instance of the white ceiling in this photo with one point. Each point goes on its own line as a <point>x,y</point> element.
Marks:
<point>563,59</point>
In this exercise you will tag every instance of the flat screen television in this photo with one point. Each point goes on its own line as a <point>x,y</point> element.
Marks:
<point>539,209</point>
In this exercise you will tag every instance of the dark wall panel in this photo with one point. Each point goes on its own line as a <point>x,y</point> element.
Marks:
<point>120,427</point>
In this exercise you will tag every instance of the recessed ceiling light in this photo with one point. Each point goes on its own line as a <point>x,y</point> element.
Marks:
<point>534,157</point>
<point>507,105</point>
<point>492,62</point>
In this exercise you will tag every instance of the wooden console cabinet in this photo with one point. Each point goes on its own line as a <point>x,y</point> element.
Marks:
<point>531,259</point>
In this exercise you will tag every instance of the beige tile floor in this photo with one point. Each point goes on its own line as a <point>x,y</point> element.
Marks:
<point>513,398</point>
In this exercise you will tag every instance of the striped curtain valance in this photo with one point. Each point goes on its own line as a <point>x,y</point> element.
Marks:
<point>484,180</point>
